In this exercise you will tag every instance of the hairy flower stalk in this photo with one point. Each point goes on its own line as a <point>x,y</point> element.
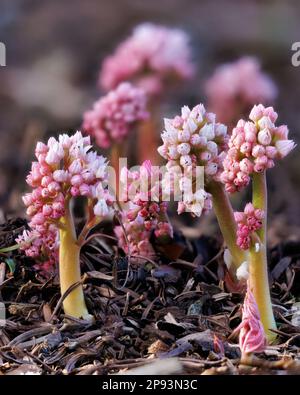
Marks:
<point>65,168</point>
<point>253,148</point>
<point>191,141</point>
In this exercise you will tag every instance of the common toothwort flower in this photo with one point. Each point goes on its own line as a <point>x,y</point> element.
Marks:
<point>65,168</point>
<point>254,147</point>
<point>114,115</point>
<point>191,140</point>
<point>235,87</point>
<point>145,212</point>
<point>150,56</point>
<point>194,145</point>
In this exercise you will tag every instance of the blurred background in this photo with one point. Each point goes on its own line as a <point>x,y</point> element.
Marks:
<point>55,49</point>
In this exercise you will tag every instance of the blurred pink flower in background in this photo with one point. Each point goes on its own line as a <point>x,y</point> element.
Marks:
<point>235,87</point>
<point>114,115</point>
<point>150,56</point>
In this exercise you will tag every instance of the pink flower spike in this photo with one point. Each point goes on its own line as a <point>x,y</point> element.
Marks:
<point>150,56</point>
<point>252,336</point>
<point>72,171</point>
<point>253,147</point>
<point>284,147</point>
<point>235,87</point>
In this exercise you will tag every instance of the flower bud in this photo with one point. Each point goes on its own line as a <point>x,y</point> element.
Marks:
<point>264,137</point>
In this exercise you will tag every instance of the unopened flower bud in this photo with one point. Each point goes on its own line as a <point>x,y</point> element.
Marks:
<point>264,137</point>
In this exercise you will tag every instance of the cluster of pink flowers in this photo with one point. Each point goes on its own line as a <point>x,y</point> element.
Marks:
<point>253,147</point>
<point>191,140</point>
<point>248,221</point>
<point>114,115</point>
<point>149,56</point>
<point>64,168</point>
<point>235,87</point>
<point>252,336</point>
<point>43,246</point>
<point>145,212</point>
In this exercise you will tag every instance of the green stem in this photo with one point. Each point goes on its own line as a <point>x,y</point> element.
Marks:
<point>225,217</point>
<point>258,265</point>
<point>69,269</point>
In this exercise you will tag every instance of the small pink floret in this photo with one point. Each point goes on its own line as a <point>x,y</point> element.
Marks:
<point>252,336</point>
<point>253,147</point>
